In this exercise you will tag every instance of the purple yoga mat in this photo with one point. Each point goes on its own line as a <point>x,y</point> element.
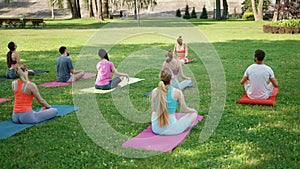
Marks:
<point>150,141</point>
<point>57,84</point>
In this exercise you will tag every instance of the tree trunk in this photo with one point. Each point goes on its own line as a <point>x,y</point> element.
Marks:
<point>225,10</point>
<point>100,13</point>
<point>218,10</point>
<point>260,10</point>
<point>106,12</point>
<point>276,11</point>
<point>91,11</point>
<point>135,11</point>
<point>52,12</point>
<point>78,14</point>
<point>254,10</point>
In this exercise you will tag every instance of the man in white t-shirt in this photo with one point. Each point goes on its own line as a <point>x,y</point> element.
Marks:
<point>259,79</point>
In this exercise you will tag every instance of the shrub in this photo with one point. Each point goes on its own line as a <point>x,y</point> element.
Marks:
<point>186,13</point>
<point>178,13</point>
<point>203,13</point>
<point>234,14</point>
<point>193,14</point>
<point>248,16</point>
<point>292,22</point>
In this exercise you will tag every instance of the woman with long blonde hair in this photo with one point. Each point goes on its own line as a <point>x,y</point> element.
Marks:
<point>24,92</point>
<point>176,67</point>
<point>165,99</point>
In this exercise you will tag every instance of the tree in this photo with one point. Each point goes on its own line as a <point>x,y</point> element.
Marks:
<point>106,11</point>
<point>287,8</point>
<point>257,12</point>
<point>178,13</point>
<point>187,13</point>
<point>53,3</point>
<point>234,15</point>
<point>218,10</point>
<point>75,8</point>
<point>247,5</point>
<point>225,10</point>
<point>193,14</point>
<point>203,13</point>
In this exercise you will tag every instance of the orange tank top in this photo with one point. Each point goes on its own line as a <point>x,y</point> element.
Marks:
<point>23,102</point>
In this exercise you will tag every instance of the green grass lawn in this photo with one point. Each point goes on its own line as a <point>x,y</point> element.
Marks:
<point>247,136</point>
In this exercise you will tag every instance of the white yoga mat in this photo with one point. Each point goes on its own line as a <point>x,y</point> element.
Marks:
<point>123,83</point>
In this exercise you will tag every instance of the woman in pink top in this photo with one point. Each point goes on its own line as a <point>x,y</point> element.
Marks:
<point>105,69</point>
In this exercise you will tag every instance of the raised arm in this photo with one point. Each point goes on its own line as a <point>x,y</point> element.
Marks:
<point>34,90</point>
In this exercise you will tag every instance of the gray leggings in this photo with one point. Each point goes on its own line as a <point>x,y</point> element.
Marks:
<point>31,116</point>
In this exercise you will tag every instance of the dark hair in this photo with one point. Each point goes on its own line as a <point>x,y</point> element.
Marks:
<point>62,49</point>
<point>106,57</point>
<point>259,54</point>
<point>11,47</point>
<point>103,54</point>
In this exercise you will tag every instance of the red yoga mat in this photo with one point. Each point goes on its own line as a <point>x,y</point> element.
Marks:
<point>269,102</point>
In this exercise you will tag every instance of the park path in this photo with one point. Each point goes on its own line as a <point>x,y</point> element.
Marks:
<point>29,8</point>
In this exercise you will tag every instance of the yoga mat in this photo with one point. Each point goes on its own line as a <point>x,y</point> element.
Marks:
<point>150,141</point>
<point>2,100</point>
<point>8,128</point>
<point>191,60</point>
<point>3,78</point>
<point>147,94</point>
<point>268,102</point>
<point>123,83</point>
<point>57,84</point>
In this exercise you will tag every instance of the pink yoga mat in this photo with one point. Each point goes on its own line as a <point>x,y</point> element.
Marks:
<point>57,84</point>
<point>150,141</point>
<point>4,100</point>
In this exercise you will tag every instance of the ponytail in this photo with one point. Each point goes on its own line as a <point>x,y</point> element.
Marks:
<point>11,46</point>
<point>161,96</point>
<point>106,57</point>
<point>9,59</point>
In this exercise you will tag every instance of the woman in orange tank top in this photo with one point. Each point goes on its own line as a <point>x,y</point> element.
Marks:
<point>24,92</point>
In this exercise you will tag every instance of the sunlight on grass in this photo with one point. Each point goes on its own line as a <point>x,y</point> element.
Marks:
<point>248,136</point>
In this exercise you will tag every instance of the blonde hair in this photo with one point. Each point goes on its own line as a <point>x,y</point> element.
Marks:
<point>169,55</point>
<point>179,38</point>
<point>161,96</point>
<point>18,68</point>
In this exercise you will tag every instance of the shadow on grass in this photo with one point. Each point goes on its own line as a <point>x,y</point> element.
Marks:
<point>247,136</point>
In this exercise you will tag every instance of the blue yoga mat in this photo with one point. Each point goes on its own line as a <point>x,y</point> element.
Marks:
<point>8,128</point>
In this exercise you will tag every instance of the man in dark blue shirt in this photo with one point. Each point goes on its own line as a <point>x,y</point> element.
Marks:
<point>65,71</point>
